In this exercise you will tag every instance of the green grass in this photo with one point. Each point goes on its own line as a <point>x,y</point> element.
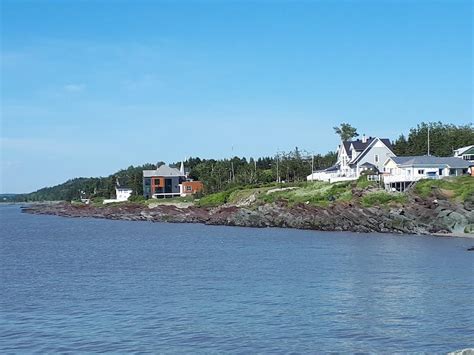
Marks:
<point>382,198</point>
<point>316,193</point>
<point>363,183</point>
<point>461,188</point>
<point>214,200</point>
<point>97,201</point>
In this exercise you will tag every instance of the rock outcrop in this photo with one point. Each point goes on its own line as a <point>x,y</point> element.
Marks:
<point>419,216</point>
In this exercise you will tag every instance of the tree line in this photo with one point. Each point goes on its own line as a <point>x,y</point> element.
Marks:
<point>443,138</point>
<point>292,166</point>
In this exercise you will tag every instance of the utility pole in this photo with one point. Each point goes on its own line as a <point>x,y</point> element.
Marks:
<point>255,165</point>
<point>232,165</point>
<point>428,139</point>
<point>278,174</point>
<point>312,166</point>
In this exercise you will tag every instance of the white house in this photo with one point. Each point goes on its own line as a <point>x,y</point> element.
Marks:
<point>466,153</point>
<point>122,193</point>
<point>403,171</point>
<point>353,157</point>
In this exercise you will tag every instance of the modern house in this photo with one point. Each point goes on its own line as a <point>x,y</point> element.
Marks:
<point>404,171</point>
<point>354,157</point>
<point>466,153</point>
<point>165,182</point>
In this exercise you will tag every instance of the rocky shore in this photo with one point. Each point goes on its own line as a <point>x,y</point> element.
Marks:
<point>418,216</point>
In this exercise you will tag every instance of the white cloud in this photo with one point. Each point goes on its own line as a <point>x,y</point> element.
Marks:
<point>74,87</point>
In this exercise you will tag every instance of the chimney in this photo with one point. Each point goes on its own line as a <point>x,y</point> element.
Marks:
<point>364,139</point>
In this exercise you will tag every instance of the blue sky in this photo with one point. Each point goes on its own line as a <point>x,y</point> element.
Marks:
<point>89,87</point>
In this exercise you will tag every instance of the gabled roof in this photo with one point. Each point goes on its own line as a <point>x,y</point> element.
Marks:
<point>461,151</point>
<point>347,146</point>
<point>163,170</point>
<point>359,145</point>
<point>426,160</point>
<point>369,146</point>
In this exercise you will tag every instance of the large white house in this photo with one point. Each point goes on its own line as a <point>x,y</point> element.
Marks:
<point>403,171</point>
<point>354,157</point>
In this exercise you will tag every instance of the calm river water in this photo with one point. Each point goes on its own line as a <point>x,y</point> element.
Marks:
<point>89,285</point>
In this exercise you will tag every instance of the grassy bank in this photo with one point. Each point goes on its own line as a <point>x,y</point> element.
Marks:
<point>318,193</point>
<point>321,194</point>
<point>459,188</point>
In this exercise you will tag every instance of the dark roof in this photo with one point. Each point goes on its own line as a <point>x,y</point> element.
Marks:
<point>368,165</point>
<point>426,160</point>
<point>347,146</point>
<point>360,145</point>
<point>387,143</point>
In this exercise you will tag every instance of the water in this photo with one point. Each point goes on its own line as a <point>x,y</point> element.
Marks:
<point>85,285</point>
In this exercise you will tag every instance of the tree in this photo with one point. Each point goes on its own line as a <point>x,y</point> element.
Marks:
<point>346,131</point>
<point>444,138</point>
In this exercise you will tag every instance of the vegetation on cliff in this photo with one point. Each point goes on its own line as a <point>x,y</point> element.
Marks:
<point>322,194</point>
<point>460,188</point>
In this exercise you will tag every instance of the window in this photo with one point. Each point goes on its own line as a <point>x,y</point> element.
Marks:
<point>147,181</point>
<point>421,171</point>
<point>440,172</point>
<point>189,188</point>
<point>376,158</point>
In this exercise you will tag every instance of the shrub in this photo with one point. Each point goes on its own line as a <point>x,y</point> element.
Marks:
<point>461,187</point>
<point>382,198</point>
<point>363,183</point>
<point>97,200</point>
<point>136,198</point>
<point>213,200</point>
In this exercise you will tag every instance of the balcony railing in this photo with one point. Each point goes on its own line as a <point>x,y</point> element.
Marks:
<point>388,179</point>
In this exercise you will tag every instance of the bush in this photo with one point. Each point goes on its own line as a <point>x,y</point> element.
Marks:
<point>97,200</point>
<point>136,198</point>
<point>362,182</point>
<point>213,200</point>
<point>382,198</point>
<point>462,187</point>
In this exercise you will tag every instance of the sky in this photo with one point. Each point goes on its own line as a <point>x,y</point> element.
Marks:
<point>90,87</point>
